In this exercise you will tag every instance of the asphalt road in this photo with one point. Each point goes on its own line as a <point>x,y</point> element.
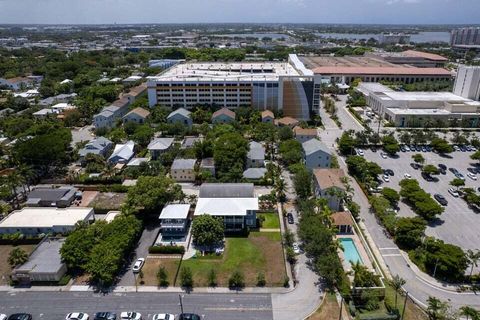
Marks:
<point>55,305</point>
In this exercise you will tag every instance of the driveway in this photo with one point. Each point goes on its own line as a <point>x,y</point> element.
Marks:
<point>82,134</point>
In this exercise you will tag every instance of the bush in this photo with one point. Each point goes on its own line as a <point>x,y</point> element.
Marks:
<point>162,277</point>
<point>286,282</point>
<point>261,282</point>
<point>166,250</point>
<point>186,278</point>
<point>237,280</point>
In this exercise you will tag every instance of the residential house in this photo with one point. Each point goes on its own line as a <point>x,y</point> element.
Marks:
<point>122,153</point>
<point>268,116</point>
<point>99,146</point>
<point>287,122</point>
<point>303,135</point>
<point>108,117</point>
<point>316,154</point>
<point>343,222</point>
<point>183,170</point>
<point>61,98</point>
<point>235,203</point>
<point>35,221</point>
<point>256,155</point>
<point>135,92</point>
<point>5,112</point>
<point>137,115</point>
<point>254,173</point>
<point>158,146</point>
<point>43,113</point>
<point>43,265</point>
<point>136,162</point>
<point>174,219</point>
<point>51,197</point>
<point>328,185</point>
<point>18,83</point>
<point>208,164</point>
<point>223,115</point>
<point>189,142</point>
<point>181,115</point>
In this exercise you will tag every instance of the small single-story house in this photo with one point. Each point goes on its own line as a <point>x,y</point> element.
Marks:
<point>158,146</point>
<point>235,203</point>
<point>51,197</point>
<point>268,116</point>
<point>99,146</point>
<point>189,142</point>
<point>137,115</point>
<point>343,222</point>
<point>181,115</point>
<point>208,164</point>
<point>223,115</point>
<point>183,170</point>
<point>255,155</point>
<point>43,113</point>
<point>303,135</point>
<point>287,122</point>
<point>254,173</point>
<point>122,153</point>
<point>174,219</point>
<point>35,221</point>
<point>44,264</point>
<point>135,162</point>
<point>328,185</point>
<point>316,154</point>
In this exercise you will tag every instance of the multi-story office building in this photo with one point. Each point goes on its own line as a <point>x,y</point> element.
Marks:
<point>265,86</point>
<point>465,38</point>
<point>467,82</point>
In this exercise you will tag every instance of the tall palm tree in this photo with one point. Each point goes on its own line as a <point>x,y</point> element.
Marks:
<point>473,257</point>
<point>27,173</point>
<point>13,181</point>
<point>397,283</point>
<point>470,313</point>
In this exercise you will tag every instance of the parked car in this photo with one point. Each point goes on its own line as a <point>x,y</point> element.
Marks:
<point>453,170</point>
<point>290,219</point>
<point>389,172</point>
<point>407,176</point>
<point>375,190</point>
<point>468,148</point>
<point>442,166</point>
<point>163,316</point>
<point>360,152</point>
<point>412,148</point>
<point>386,178</point>
<point>77,316</point>
<point>427,177</point>
<point>20,316</point>
<point>472,176</point>
<point>456,148</point>
<point>383,155</point>
<point>3,316</point>
<point>105,316</point>
<point>463,149</point>
<point>453,192</point>
<point>138,265</point>
<point>130,316</point>
<point>460,176</point>
<point>424,149</point>
<point>189,316</point>
<point>429,148</point>
<point>296,248</point>
<point>441,199</point>
<point>402,148</point>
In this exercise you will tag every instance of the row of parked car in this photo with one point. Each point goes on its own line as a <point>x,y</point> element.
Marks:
<point>108,316</point>
<point>427,148</point>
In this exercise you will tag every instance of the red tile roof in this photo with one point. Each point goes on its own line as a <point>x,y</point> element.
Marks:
<point>383,71</point>
<point>224,111</point>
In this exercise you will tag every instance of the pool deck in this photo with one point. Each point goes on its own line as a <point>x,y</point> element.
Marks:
<point>361,251</point>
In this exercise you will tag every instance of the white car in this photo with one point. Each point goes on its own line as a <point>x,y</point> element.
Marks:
<point>386,178</point>
<point>453,192</point>
<point>163,316</point>
<point>130,316</point>
<point>360,152</point>
<point>3,316</point>
<point>296,248</point>
<point>407,176</point>
<point>472,176</point>
<point>383,155</point>
<point>138,265</point>
<point>77,316</point>
<point>407,148</point>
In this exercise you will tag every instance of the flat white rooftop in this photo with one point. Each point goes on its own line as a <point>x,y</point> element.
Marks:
<point>420,96</point>
<point>175,211</point>
<point>45,217</point>
<point>235,71</point>
<point>225,206</point>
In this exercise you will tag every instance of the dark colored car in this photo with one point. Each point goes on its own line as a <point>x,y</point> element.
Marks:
<point>389,172</point>
<point>105,316</point>
<point>441,199</point>
<point>427,177</point>
<point>442,166</point>
<point>415,165</point>
<point>20,316</point>
<point>189,316</point>
<point>453,170</point>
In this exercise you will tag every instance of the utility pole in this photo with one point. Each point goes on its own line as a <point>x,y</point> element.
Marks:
<point>181,302</point>
<point>435,270</point>
<point>341,307</point>
<point>405,305</point>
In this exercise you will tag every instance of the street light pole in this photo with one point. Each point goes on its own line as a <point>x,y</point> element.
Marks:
<point>181,302</point>
<point>435,269</point>
<point>405,305</point>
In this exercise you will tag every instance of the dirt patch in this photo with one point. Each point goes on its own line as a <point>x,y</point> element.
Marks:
<point>88,197</point>
<point>151,267</point>
<point>5,268</point>
<point>108,201</point>
<point>328,310</point>
<point>273,253</point>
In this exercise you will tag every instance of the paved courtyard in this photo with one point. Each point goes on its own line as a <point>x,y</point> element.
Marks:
<point>458,224</point>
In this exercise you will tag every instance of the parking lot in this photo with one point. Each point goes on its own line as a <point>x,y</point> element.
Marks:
<point>458,224</point>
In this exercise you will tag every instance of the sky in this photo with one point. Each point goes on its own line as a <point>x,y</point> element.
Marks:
<point>222,11</point>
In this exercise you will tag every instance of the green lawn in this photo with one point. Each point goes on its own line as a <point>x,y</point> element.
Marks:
<point>271,220</point>
<point>260,252</point>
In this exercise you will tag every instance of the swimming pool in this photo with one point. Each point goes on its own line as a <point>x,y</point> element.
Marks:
<point>350,250</point>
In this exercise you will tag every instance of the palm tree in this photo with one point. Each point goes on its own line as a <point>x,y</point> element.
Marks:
<point>473,257</point>
<point>17,257</point>
<point>280,188</point>
<point>397,283</point>
<point>470,313</point>
<point>109,170</point>
<point>13,181</point>
<point>27,173</point>
<point>436,309</point>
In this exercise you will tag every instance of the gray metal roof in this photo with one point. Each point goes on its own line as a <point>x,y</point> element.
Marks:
<point>257,151</point>
<point>45,259</point>
<point>227,190</point>
<point>313,145</point>
<point>186,164</point>
<point>254,173</point>
<point>180,111</point>
<point>50,194</point>
<point>160,144</point>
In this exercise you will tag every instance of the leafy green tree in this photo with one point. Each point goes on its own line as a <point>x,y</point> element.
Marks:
<point>347,143</point>
<point>291,151</point>
<point>143,134</point>
<point>75,251</point>
<point>186,278</point>
<point>391,195</point>
<point>436,309</point>
<point>17,257</point>
<point>236,280</point>
<point>230,152</point>
<point>162,277</point>
<point>152,193</point>
<point>207,231</point>
<point>430,169</point>
<point>418,158</point>
<point>409,232</point>
<point>302,182</point>
<point>448,261</point>
<point>457,183</point>
<point>470,313</point>
<point>390,144</point>
<point>441,146</point>
<point>363,277</point>
<point>475,155</point>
